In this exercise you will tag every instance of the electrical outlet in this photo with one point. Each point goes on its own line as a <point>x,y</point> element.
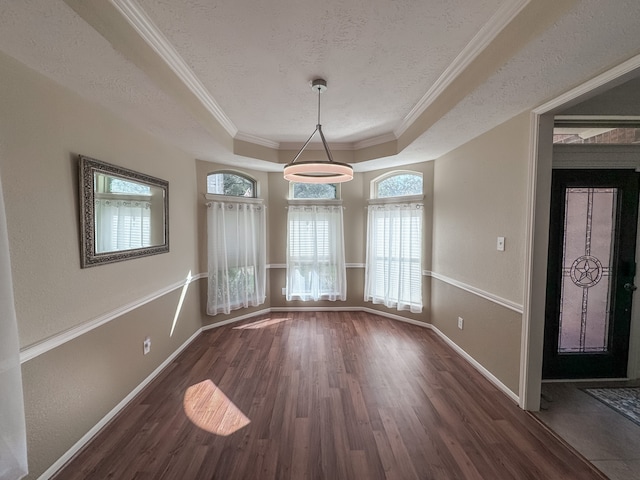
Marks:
<point>146,345</point>
<point>460,322</point>
<point>284,290</point>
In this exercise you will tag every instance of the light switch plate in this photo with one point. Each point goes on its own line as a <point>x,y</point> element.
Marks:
<point>500,244</point>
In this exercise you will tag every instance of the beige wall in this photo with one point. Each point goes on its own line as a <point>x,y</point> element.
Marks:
<point>42,130</point>
<point>480,194</point>
<point>472,195</point>
<point>491,333</point>
<point>70,388</point>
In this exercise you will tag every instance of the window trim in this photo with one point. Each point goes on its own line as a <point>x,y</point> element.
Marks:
<point>314,201</point>
<point>215,197</point>
<point>398,200</point>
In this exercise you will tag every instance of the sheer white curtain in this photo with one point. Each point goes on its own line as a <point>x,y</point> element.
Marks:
<point>237,256</point>
<point>315,253</point>
<point>13,437</point>
<point>122,224</point>
<point>393,274</point>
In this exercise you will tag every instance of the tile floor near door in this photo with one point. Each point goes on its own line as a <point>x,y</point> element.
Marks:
<point>606,438</point>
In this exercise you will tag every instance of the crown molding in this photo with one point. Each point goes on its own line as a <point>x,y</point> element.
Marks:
<point>142,23</point>
<point>503,16</point>
<point>372,142</point>
<point>589,86</point>
<point>145,27</point>
<point>318,146</point>
<point>245,137</point>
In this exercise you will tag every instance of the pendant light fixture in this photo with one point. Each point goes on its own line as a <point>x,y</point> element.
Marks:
<point>318,171</point>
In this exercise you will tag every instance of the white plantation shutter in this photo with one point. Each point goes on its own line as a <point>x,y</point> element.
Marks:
<point>315,253</point>
<point>393,274</point>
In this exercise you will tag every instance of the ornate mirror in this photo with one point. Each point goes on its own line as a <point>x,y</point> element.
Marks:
<point>123,214</point>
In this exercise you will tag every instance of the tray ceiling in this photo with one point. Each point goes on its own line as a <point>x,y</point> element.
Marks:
<point>228,81</point>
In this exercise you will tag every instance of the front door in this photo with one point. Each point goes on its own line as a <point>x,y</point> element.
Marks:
<point>591,269</point>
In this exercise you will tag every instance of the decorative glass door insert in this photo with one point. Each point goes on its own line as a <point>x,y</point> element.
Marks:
<point>589,229</point>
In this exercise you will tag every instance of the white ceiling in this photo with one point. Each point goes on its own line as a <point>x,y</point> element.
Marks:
<point>409,80</point>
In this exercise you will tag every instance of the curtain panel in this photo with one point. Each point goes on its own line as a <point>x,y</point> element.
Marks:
<point>236,245</point>
<point>393,269</point>
<point>13,437</point>
<point>316,267</point>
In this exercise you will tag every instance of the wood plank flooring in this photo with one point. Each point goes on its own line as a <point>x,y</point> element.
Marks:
<point>340,395</point>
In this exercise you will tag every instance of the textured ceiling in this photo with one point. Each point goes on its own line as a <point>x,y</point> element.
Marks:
<point>257,58</point>
<point>415,77</point>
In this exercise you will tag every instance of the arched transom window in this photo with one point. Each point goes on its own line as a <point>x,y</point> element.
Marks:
<point>233,184</point>
<point>397,184</point>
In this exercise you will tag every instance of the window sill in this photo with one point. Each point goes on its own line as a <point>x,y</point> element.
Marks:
<point>395,200</point>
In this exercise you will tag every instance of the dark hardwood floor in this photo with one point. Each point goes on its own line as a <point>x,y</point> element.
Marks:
<point>339,395</point>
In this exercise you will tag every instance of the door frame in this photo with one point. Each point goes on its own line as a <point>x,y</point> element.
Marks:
<point>537,228</point>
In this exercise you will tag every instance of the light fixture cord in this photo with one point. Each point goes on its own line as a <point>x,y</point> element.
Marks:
<point>318,105</point>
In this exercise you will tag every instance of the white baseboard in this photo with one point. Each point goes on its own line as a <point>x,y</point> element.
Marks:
<point>236,319</point>
<point>316,309</point>
<point>474,363</point>
<point>125,401</point>
<point>584,380</point>
<point>109,416</point>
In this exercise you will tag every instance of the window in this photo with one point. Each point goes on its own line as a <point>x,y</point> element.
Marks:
<point>237,255</point>
<point>393,270</point>
<point>315,253</point>
<point>398,184</point>
<point>313,190</point>
<point>231,184</point>
<point>236,243</point>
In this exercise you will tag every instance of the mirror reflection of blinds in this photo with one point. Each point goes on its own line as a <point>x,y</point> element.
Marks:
<point>124,225</point>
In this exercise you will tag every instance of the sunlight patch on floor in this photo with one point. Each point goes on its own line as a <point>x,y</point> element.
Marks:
<point>267,322</point>
<point>209,409</point>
